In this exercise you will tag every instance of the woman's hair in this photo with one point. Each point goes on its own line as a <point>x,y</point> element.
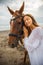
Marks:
<point>33,20</point>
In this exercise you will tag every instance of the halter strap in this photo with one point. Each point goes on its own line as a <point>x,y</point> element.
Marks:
<point>15,35</point>
<point>17,17</point>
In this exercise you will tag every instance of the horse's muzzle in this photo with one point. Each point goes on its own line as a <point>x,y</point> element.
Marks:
<point>14,44</point>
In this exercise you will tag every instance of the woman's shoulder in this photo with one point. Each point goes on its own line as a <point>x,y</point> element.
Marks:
<point>38,29</point>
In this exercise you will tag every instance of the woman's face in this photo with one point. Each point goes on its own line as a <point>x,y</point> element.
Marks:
<point>27,21</point>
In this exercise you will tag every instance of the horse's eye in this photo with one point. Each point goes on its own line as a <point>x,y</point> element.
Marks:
<point>19,22</point>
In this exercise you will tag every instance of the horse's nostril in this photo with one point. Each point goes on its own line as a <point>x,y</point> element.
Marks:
<point>12,45</point>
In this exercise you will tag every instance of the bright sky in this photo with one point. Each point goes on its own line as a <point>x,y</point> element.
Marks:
<point>34,7</point>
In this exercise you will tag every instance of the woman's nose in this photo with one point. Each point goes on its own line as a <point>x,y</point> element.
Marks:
<point>26,22</point>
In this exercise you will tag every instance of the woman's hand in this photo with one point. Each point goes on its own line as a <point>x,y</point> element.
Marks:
<point>25,32</point>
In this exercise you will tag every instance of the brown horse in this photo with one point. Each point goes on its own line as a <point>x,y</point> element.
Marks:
<point>17,27</point>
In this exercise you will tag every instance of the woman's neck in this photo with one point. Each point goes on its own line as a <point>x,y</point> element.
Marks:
<point>32,27</point>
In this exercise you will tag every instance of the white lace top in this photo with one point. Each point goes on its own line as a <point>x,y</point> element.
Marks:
<point>34,46</point>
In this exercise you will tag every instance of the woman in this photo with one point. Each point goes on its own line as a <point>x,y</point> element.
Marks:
<point>34,43</point>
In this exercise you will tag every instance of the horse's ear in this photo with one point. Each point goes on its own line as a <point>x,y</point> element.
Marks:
<point>22,8</point>
<point>10,10</point>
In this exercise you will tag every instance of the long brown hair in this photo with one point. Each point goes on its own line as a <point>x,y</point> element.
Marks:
<point>33,20</point>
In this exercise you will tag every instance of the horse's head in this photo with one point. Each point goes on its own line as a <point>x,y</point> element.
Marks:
<point>16,26</point>
<point>16,30</point>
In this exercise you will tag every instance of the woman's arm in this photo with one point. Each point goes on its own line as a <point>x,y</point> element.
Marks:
<point>32,41</point>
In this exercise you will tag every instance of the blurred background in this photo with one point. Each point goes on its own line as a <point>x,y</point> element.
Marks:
<point>34,7</point>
